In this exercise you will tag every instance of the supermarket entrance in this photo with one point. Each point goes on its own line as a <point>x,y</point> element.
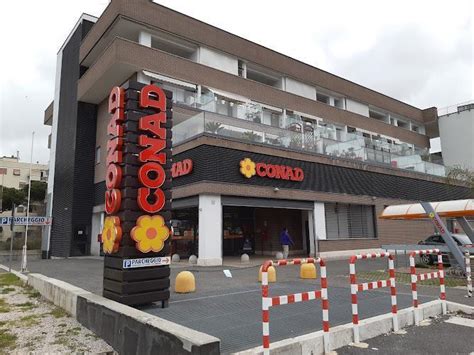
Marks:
<point>256,229</point>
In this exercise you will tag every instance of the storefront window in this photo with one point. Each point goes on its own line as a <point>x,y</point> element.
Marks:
<point>184,240</point>
<point>238,230</point>
<point>349,221</point>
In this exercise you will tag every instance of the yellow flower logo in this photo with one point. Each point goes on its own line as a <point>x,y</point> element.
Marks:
<point>111,234</point>
<point>150,233</point>
<point>247,168</point>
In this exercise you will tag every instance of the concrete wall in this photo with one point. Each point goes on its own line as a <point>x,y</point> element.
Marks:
<point>357,107</point>
<point>126,329</point>
<point>97,225</point>
<point>218,60</point>
<point>299,88</point>
<point>103,118</point>
<point>456,131</point>
<point>210,230</point>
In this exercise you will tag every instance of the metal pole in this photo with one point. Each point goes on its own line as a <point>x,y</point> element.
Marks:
<point>12,225</point>
<point>1,199</point>
<point>24,263</point>
<point>445,234</point>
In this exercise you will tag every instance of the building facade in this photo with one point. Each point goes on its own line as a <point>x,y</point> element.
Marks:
<point>456,129</point>
<point>16,174</point>
<point>261,141</point>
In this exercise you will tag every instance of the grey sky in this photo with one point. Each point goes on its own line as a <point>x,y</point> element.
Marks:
<point>419,52</point>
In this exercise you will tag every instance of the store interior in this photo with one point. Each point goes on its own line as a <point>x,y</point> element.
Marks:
<point>250,230</point>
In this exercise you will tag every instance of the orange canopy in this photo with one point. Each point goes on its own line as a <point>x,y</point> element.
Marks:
<point>455,208</point>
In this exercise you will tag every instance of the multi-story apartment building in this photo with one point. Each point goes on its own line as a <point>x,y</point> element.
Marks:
<point>273,142</point>
<point>16,174</point>
<point>456,129</point>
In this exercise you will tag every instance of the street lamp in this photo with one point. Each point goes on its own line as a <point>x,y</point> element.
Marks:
<point>24,259</point>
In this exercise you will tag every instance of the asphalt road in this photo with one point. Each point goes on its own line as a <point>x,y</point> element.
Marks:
<point>439,337</point>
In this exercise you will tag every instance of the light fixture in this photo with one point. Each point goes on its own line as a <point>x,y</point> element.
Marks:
<point>276,189</point>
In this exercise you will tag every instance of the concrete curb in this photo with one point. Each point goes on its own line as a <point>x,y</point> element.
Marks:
<point>21,276</point>
<point>126,329</point>
<point>369,328</point>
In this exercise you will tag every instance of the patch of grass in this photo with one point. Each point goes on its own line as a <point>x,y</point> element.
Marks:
<point>58,312</point>
<point>29,321</point>
<point>25,306</point>
<point>62,325</point>
<point>92,335</point>
<point>7,340</point>
<point>31,292</point>
<point>405,278</point>
<point>73,331</point>
<point>9,280</point>
<point>62,340</point>
<point>4,306</point>
<point>6,290</point>
<point>3,323</point>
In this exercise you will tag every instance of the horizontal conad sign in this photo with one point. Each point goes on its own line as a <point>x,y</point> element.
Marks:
<point>23,221</point>
<point>248,168</point>
<point>146,262</point>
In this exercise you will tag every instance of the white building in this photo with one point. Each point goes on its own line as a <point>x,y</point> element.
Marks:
<point>15,174</point>
<point>456,129</point>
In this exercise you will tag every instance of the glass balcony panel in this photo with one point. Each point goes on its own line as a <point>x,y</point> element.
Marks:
<point>243,121</point>
<point>189,128</point>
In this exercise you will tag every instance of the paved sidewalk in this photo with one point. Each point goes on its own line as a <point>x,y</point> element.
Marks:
<point>439,337</point>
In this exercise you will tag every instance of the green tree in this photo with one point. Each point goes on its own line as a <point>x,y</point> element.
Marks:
<point>38,190</point>
<point>12,195</point>
<point>457,174</point>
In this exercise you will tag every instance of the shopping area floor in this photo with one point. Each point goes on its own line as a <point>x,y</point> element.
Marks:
<point>230,308</point>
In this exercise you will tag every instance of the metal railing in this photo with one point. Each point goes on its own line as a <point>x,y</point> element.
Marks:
<point>320,141</point>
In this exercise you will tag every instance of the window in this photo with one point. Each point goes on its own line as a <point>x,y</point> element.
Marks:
<point>97,155</point>
<point>349,221</point>
<point>339,102</point>
<point>322,98</point>
<point>242,68</point>
<point>3,171</point>
<point>16,172</point>
<point>377,115</point>
<point>402,124</point>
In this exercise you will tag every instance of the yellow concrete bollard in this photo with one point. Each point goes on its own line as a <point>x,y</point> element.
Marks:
<point>185,282</point>
<point>272,277</point>
<point>308,271</point>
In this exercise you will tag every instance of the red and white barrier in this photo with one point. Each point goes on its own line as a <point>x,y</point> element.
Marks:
<point>468,257</point>
<point>426,276</point>
<point>268,302</point>
<point>355,287</point>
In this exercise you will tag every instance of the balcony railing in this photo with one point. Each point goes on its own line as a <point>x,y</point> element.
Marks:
<point>305,137</point>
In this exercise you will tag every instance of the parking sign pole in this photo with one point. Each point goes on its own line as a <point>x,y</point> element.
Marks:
<point>12,224</point>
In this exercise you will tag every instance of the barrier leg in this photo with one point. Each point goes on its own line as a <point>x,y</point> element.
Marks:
<point>393,293</point>
<point>442,288</point>
<point>468,274</point>
<point>355,312</point>
<point>325,305</point>
<point>414,279</point>
<point>265,314</point>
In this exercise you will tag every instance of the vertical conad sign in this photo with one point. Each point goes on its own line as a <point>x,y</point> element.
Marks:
<point>138,196</point>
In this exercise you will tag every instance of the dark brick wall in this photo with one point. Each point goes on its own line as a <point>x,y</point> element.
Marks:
<point>222,165</point>
<point>83,195</point>
<point>73,181</point>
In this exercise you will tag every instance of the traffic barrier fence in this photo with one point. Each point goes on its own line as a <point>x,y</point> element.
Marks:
<point>268,301</point>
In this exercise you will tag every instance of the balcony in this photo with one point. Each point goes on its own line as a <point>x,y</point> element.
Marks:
<point>250,122</point>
